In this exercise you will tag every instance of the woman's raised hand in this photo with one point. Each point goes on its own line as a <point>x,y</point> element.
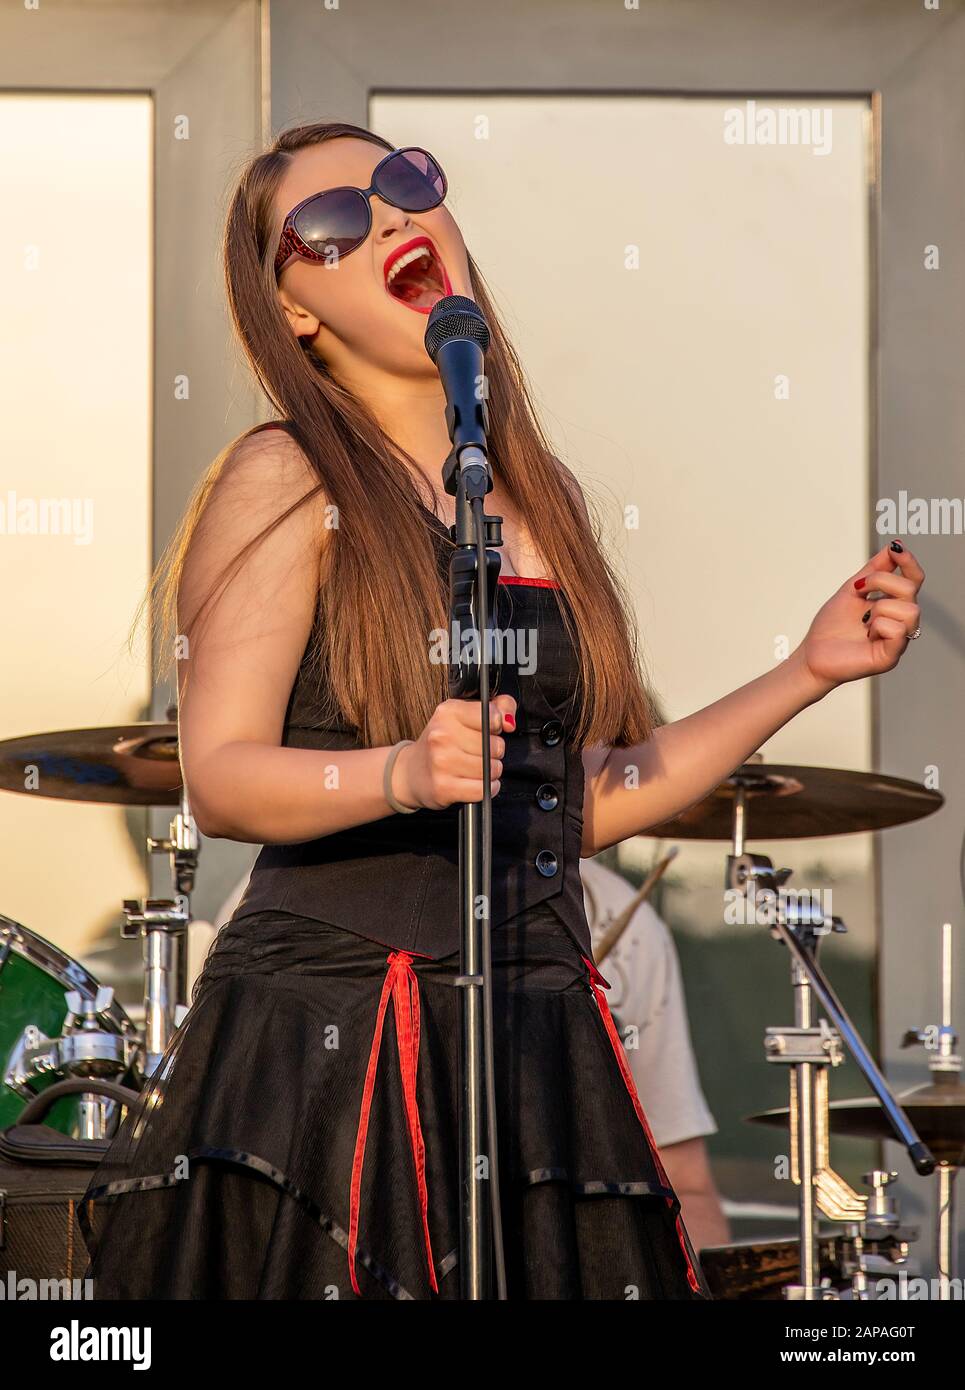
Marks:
<point>864,628</point>
<point>444,765</point>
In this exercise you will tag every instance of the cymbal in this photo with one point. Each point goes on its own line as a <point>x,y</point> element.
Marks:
<point>124,765</point>
<point>789,803</point>
<point>936,1110</point>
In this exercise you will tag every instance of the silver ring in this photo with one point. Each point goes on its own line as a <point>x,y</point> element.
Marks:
<point>914,636</point>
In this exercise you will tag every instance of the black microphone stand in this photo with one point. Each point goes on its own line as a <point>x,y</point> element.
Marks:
<point>473,576</point>
<point>472,592</point>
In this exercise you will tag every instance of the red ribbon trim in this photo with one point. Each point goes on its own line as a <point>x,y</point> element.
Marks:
<point>402,986</point>
<point>531,583</point>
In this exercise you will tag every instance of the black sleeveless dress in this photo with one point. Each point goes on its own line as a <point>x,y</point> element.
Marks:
<point>299,1139</point>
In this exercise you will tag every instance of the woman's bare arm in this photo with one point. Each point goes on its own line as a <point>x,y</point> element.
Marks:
<point>237,678</point>
<point>629,789</point>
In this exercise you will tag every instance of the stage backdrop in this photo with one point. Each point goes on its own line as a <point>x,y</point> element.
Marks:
<point>75,434</point>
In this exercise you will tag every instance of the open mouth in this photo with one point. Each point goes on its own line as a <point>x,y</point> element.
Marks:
<point>415,276</point>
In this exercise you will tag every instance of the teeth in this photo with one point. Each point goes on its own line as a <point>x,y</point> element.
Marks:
<point>417,253</point>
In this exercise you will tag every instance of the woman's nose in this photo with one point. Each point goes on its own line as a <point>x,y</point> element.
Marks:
<point>388,220</point>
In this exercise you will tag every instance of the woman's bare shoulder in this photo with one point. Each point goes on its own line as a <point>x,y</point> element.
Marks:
<point>265,505</point>
<point>267,467</point>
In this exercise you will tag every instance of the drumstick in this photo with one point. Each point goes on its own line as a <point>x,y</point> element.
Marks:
<point>619,924</point>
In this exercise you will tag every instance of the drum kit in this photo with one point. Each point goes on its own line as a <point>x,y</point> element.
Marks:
<point>61,1030</point>
<point>868,1242</point>
<point>57,1023</point>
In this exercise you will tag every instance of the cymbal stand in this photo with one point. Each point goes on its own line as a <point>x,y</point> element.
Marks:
<point>162,924</point>
<point>807,1048</point>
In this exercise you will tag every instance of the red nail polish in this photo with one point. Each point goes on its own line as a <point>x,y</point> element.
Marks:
<point>860,583</point>
<point>509,720</point>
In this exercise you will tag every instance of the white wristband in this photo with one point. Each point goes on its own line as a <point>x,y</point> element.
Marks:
<point>387,779</point>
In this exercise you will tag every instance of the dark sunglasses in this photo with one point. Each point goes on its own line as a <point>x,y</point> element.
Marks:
<point>340,219</point>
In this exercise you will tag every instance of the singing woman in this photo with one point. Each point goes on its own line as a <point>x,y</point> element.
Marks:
<point>299,1139</point>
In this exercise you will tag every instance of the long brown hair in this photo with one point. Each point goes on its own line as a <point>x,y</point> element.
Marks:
<point>375,616</point>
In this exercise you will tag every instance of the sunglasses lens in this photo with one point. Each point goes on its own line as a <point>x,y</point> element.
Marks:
<point>412,180</point>
<point>334,223</point>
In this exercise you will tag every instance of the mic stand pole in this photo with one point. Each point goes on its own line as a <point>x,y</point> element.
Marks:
<point>472,595</point>
<point>457,339</point>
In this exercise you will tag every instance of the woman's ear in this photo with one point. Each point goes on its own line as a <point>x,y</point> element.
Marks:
<point>304,324</point>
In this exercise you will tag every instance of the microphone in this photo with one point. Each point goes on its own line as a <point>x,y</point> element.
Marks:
<point>457,338</point>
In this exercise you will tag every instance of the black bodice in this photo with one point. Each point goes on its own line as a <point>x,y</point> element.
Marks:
<point>396,880</point>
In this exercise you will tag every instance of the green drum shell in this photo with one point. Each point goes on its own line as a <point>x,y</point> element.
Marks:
<point>34,977</point>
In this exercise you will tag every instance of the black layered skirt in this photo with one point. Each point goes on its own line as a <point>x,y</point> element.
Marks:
<point>299,1140</point>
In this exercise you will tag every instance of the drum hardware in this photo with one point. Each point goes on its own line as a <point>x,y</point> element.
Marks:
<point>808,1049</point>
<point>871,1224</point>
<point>57,1021</point>
<point>805,1048</point>
<point>163,924</point>
<point>86,1048</point>
<point>183,841</point>
<point>877,1244</point>
<point>792,802</point>
<point>937,1111</point>
<point>761,1270</point>
<point>941,1039</point>
<point>130,765</point>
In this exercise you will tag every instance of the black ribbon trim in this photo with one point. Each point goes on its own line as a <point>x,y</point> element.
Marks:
<point>241,1159</point>
<point>598,1187</point>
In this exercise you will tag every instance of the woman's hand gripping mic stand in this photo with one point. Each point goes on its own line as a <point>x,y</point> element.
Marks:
<point>457,338</point>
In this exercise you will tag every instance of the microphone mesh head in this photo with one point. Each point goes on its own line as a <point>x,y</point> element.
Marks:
<point>455,317</point>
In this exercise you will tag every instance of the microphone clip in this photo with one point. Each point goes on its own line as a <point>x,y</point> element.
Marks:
<point>465,637</point>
